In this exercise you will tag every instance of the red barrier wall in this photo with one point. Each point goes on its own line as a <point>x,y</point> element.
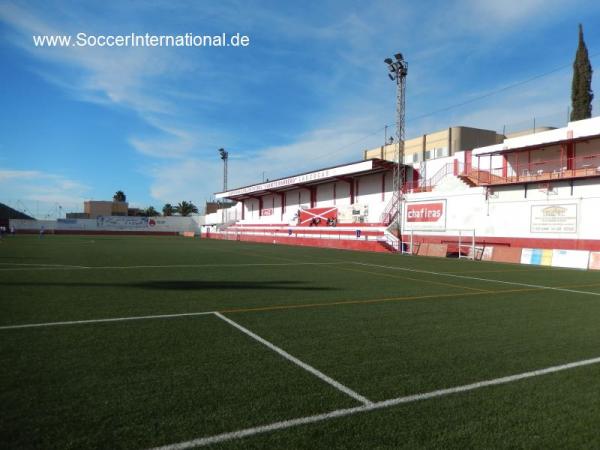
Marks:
<point>507,254</point>
<point>438,250</point>
<point>359,244</point>
<point>560,244</point>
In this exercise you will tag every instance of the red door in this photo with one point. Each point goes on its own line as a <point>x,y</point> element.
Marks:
<point>468,161</point>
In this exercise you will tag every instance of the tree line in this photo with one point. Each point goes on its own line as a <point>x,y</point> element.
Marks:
<point>182,208</point>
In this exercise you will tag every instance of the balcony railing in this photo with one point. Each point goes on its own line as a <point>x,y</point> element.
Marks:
<point>547,170</point>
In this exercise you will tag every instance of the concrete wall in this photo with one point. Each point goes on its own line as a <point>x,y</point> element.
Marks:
<point>514,212</point>
<point>172,224</point>
<point>438,144</point>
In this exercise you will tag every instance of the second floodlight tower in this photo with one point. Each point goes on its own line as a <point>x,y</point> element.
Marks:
<point>398,69</point>
<point>224,156</point>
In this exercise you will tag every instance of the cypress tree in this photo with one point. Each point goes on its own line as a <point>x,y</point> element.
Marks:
<point>581,87</point>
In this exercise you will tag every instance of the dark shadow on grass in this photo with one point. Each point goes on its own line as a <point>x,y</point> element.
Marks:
<point>186,285</point>
<point>21,257</point>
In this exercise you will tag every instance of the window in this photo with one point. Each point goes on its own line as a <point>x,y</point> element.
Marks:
<point>440,152</point>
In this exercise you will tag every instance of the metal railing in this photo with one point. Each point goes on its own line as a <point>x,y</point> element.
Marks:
<point>452,168</point>
<point>348,235</point>
<point>542,171</point>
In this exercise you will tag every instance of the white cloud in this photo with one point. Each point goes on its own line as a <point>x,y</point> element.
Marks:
<point>183,154</point>
<point>489,19</point>
<point>189,179</point>
<point>121,76</point>
<point>41,193</point>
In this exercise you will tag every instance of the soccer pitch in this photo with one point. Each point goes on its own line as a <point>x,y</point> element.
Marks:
<point>144,342</point>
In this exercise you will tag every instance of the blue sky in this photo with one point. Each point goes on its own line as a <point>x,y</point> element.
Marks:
<point>309,91</point>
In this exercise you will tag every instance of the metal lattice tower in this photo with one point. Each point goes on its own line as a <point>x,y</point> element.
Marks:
<point>398,70</point>
<point>224,156</point>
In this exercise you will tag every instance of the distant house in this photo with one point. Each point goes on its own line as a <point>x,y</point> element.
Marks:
<point>95,208</point>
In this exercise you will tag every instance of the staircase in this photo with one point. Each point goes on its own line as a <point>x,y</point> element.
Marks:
<point>390,213</point>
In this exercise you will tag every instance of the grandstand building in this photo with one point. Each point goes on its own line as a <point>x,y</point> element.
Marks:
<point>539,190</point>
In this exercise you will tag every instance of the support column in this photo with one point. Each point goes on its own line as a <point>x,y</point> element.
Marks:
<point>334,193</point>
<point>570,156</point>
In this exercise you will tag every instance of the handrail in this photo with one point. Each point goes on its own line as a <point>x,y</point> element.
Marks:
<point>540,170</point>
<point>340,235</point>
<point>390,211</point>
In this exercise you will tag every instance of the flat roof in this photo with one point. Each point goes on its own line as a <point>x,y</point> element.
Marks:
<point>308,178</point>
<point>577,131</point>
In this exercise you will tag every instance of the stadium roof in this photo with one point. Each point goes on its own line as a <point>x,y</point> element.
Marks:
<point>305,179</point>
<point>578,131</point>
<point>6,213</point>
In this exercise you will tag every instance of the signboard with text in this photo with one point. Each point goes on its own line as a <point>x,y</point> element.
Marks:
<point>554,218</point>
<point>425,215</point>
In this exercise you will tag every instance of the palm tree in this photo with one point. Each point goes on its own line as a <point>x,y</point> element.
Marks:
<point>168,210</point>
<point>151,212</point>
<point>186,208</point>
<point>119,196</point>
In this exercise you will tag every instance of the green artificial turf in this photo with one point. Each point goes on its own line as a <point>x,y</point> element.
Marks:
<point>383,325</point>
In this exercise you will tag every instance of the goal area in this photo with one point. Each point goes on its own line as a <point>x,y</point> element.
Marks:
<point>458,241</point>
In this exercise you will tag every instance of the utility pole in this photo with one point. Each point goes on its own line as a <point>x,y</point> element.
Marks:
<point>398,70</point>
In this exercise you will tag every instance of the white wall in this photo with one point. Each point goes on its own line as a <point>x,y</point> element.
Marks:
<point>507,212</point>
<point>367,192</point>
<point>112,223</point>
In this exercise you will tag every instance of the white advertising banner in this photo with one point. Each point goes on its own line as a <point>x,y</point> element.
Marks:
<point>554,218</point>
<point>425,215</point>
<point>122,223</point>
<point>576,259</point>
<point>112,223</point>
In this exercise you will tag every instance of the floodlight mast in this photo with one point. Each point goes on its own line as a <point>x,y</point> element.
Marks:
<point>224,156</point>
<point>398,70</point>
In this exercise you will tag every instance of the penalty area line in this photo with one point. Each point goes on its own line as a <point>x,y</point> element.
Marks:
<point>336,384</point>
<point>234,435</point>
<point>490,280</point>
<point>165,266</point>
<point>113,319</point>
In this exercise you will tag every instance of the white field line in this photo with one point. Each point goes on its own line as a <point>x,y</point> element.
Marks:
<point>166,266</point>
<point>491,280</point>
<point>209,440</point>
<point>29,269</point>
<point>114,319</point>
<point>340,387</point>
<point>43,266</point>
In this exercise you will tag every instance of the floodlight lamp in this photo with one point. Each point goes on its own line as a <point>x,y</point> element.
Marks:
<point>388,61</point>
<point>398,56</point>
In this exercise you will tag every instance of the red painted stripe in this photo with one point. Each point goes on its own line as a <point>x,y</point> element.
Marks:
<point>362,245</point>
<point>559,244</point>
